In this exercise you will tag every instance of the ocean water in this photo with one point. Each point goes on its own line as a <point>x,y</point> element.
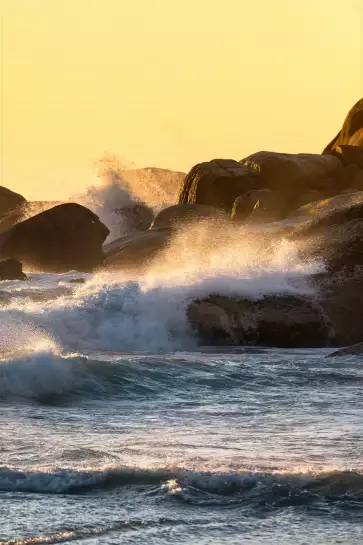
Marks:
<point>118,427</point>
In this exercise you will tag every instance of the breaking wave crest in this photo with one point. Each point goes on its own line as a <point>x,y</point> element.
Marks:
<point>272,488</point>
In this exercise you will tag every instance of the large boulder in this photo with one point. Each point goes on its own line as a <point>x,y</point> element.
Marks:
<point>135,251</point>
<point>340,294</point>
<point>9,200</point>
<point>66,237</point>
<point>11,269</point>
<point>354,350</point>
<point>294,178</point>
<point>331,231</point>
<point>352,131</point>
<point>181,214</point>
<point>258,205</point>
<point>275,320</point>
<point>217,183</point>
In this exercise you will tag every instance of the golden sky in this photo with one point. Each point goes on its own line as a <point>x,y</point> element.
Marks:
<point>170,83</point>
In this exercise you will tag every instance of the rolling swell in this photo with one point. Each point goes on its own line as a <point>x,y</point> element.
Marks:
<point>47,373</point>
<point>277,488</point>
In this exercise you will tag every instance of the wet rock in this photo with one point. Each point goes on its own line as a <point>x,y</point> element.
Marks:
<point>283,321</point>
<point>217,183</point>
<point>135,251</point>
<point>11,269</point>
<point>331,231</point>
<point>294,177</point>
<point>354,350</point>
<point>181,214</point>
<point>258,205</point>
<point>340,294</point>
<point>352,131</point>
<point>66,237</point>
<point>9,200</point>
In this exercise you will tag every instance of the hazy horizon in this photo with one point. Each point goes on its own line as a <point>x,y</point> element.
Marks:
<point>169,84</point>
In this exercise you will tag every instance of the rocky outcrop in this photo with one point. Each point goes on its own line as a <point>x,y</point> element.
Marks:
<point>351,133</point>
<point>9,200</point>
<point>283,321</point>
<point>11,269</point>
<point>296,179</point>
<point>258,205</point>
<point>135,251</point>
<point>217,183</point>
<point>181,214</point>
<point>332,231</point>
<point>66,237</point>
<point>354,350</point>
<point>340,294</point>
<point>350,155</point>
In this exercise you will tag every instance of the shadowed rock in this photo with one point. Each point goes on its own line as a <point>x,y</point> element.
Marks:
<point>11,269</point>
<point>354,350</point>
<point>259,205</point>
<point>66,237</point>
<point>352,130</point>
<point>217,183</point>
<point>135,251</point>
<point>9,200</point>
<point>350,155</point>
<point>293,177</point>
<point>180,214</point>
<point>276,320</point>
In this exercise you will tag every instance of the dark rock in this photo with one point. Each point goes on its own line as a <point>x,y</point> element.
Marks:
<point>77,281</point>
<point>331,230</point>
<point>258,205</point>
<point>350,155</point>
<point>295,178</point>
<point>340,294</point>
<point>352,131</point>
<point>217,183</point>
<point>354,350</point>
<point>283,321</point>
<point>9,200</point>
<point>66,237</point>
<point>11,269</point>
<point>180,214</point>
<point>135,251</point>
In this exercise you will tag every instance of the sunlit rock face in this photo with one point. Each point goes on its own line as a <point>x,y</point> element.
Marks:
<point>279,320</point>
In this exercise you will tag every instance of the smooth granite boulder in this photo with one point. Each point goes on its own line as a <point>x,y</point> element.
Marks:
<point>66,237</point>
